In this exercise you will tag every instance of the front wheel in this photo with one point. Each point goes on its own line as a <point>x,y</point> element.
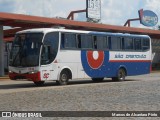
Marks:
<point>64,78</point>
<point>120,76</point>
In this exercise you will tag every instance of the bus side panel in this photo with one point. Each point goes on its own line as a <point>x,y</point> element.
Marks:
<point>135,63</point>
<point>49,72</point>
<point>95,68</point>
<point>70,59</point>
<point>132,68</point>
<point>111,62</point>
<point>138,68</point>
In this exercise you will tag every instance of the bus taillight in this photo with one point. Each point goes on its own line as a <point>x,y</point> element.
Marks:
<point>151,68</point>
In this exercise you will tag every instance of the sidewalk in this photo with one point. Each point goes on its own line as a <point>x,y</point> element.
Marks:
<point>6,77</point>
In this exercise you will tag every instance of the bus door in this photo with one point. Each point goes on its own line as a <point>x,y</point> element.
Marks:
<point>46,68</point>
<point>48,55</point>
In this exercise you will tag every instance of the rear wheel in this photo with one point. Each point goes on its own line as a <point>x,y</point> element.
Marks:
<point>120,76</point>
<point>39,83</point>
<point>64,78</point>
<point>97,79</point>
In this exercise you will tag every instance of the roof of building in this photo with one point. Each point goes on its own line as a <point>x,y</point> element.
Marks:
<point>27,21</point>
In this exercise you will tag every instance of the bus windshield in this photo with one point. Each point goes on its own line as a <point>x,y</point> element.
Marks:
<point>26,49</point>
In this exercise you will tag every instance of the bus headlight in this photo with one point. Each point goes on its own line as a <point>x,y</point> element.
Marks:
<point>33,72</point>
<point>10,71</point>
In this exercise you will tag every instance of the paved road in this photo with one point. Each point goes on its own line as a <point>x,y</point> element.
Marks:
<point>141,93</point>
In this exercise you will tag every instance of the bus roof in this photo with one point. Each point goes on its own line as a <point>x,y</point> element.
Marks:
<point>46,30</point>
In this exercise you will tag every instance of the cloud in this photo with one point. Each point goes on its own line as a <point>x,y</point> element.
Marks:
<point>153,5</point>
<point>47,8</point>
<point>118,11</point>
<point>115,12</point>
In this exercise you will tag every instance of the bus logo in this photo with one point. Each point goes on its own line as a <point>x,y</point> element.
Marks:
<point>94,63</point>
<point>46,75</point>
<point>95,59</point>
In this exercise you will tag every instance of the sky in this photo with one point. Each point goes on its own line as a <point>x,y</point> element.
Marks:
<point>113,12</point>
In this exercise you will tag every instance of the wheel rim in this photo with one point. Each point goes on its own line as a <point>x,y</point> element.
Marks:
<point>64,78</point>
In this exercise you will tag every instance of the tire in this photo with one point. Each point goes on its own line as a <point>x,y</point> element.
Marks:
<point>120,75</point>
<point>39,83</point>
<point>97,79</point>
<point>64,78</point>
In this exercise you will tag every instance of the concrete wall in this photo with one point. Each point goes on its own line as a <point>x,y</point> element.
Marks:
<point>156,57</point>
<point>7,50</point>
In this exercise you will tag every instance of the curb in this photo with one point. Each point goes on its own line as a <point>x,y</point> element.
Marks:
<point>155,71</point>
<point>4,78</point>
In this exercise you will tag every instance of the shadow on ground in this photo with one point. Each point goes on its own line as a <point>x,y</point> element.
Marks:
<point>17,85</point>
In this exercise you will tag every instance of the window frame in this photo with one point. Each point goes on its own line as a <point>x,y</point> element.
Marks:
<point>92,42</point>
<point>64,42</point>
<point>125,42</point>
<point>106,38</point>
<point>145,39</point>
<point>44,46</point>
<point>104,43</point>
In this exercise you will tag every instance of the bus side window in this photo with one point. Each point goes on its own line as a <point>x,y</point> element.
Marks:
<point>102,43</point>
<point>116,43</point>
<point>105,43</point>
<point>95,42</point>
<point>79,41</point>
<point>70,40</point>
<point>62,41</point>
<point>45,54</point>
<point>137,44</point>
<point>86,42</point>
<point>50,48</point>
<point>128,43</point>
<point>109,43</point>
<point>145,44</point>
<point>122,44</point>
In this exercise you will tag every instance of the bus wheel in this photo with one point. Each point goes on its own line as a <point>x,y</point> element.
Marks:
<point>97,79</point>
<point>39,83</point>
<point>120,76</point>
<point>64,77</point>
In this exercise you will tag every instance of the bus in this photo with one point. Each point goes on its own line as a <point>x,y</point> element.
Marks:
<point>61,55</point>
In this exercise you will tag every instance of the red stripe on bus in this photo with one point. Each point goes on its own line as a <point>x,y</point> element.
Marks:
<point>130,61</point>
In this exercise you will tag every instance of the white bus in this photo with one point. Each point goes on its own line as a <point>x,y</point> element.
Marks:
<point>47,54</point>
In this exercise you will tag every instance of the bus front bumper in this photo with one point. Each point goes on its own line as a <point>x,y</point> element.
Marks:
<point>35,77</point>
